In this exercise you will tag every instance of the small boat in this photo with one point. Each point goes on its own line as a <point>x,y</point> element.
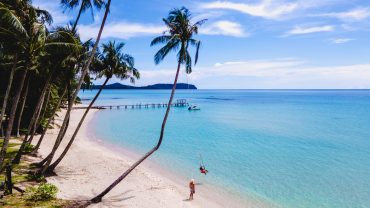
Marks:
<point>194,107</point>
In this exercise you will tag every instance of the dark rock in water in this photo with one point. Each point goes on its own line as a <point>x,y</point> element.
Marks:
<point>120,86</point>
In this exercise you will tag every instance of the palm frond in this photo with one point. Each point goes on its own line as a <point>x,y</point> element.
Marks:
<point>180,31</point>
<point>188,62</point>
<point>69,4</point>
<point>197,45</point>
<point>162,53</point>
<point>160,39</point>
<point>9,20</point>
<point>129,60</point>
<point>44,16</point>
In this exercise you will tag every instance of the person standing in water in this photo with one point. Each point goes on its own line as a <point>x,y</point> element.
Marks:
<point>192,189</point>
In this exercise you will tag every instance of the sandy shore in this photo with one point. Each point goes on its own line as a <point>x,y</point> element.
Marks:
<point>89,167</point>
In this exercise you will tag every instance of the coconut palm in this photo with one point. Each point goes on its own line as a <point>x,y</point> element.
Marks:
<point>84,71</point>
<point>55,109</point>
<point>11,27</point>
<point>7,92</point>
<point>112,62</point>
<point>84,5</point>
<point>179,37</point>
<point>75,63</point>
<point>23,104</point>
<point>11,30</point>
<point>55,47</point>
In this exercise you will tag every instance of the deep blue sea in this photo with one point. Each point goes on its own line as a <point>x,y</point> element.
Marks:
<point>285,148</point>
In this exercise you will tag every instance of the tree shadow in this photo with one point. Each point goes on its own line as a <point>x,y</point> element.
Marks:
<point>113,201</point>
<point>108,201</point>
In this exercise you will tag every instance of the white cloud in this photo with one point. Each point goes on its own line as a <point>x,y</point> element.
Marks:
<point>224,27</point>
<point>299,30</point>
<point>121,30</point>
<point>126,30</point>
<point>269,74</point>
<point>341,40</point>
<point>268,9</point>
<point>352,15</point>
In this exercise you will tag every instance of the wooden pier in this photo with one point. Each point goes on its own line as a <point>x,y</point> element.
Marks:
<point>178,103</point>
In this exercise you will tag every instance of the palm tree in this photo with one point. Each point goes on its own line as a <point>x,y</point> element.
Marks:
<point>7,92</point>
<point>84,71</point>
<point>75,63</point>
<point>57,46</point>
<point>180,36</point>
<point>40,117</point>
<point>108,64</point>
<point>11,26</point>
<point>56,107</point>
<point>84,5</point>
<point>23,24</point>
<point>24,98</point>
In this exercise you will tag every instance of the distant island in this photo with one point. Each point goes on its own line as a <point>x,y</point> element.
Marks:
<point>119,86</point>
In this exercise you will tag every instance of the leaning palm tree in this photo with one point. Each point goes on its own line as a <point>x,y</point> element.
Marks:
<point>53,112</point>
<point>112,62</point>
<point>74,63</point>
<point>11,26</point>
<point>84,71</point>
<point>180,36</point>
<point>84,5</point>
<point>55,44</point>
<point>7,92</point>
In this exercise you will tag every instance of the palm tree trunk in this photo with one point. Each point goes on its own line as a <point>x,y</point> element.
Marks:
<point>39,118</point>
<point>99,197</point>
<point>12,117</point>
<point>37,108</point>
<point>35,124</point>
<point>61,134</point>
<point>5,102</point>
<point>49,121</point>
<point>69,103</point>
<point>24,98</point>
<point>18,156</point>
<point>83,74</point>
<point>55,164</point>
<point>78,18</point>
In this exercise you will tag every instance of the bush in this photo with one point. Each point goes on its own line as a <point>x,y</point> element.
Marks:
<point>35,177</point>
<point>28,148</point>
<point>44,192</point>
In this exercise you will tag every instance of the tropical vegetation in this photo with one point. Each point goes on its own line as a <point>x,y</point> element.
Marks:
<point>43,68</point>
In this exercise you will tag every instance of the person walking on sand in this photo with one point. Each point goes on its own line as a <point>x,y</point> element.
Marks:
<point>192,189</point>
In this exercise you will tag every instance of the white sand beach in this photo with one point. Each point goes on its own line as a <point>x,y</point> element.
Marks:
<point>89,167</point>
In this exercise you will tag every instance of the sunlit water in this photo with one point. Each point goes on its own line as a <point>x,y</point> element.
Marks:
<point>287,148</point>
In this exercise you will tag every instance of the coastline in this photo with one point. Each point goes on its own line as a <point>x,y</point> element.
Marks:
<point>90,166</point>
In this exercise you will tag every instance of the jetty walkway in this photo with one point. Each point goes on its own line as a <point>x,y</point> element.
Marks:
<point>178,103</point>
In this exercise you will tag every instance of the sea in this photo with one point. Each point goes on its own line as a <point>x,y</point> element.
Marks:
<point>277,148</point>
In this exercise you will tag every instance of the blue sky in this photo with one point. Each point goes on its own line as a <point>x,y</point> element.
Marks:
<point>246,44</point>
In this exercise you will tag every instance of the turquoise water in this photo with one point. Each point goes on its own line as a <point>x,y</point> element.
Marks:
<point>287,148</point>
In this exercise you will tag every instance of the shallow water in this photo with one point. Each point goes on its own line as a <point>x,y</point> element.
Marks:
<point>297,148</point>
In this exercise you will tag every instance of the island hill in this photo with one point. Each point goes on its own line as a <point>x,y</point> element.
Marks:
<point>119,86</point>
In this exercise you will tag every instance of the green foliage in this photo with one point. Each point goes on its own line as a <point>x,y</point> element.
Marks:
<point>179,37</point>
<point>28,148</point>
<point>16,200</point>
<point>44,192</point>
<point>36,177</point>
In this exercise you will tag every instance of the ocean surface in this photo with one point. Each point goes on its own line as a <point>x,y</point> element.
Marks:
<point>283,148</point>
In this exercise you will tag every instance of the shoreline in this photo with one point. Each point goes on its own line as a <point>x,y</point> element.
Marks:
<point>210,192</point>
<point>91,165</point>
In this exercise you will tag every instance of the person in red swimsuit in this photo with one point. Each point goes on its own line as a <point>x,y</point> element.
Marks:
<point>203,170</point>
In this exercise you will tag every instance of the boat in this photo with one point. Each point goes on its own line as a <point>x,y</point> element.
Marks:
<point>193,107</point>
